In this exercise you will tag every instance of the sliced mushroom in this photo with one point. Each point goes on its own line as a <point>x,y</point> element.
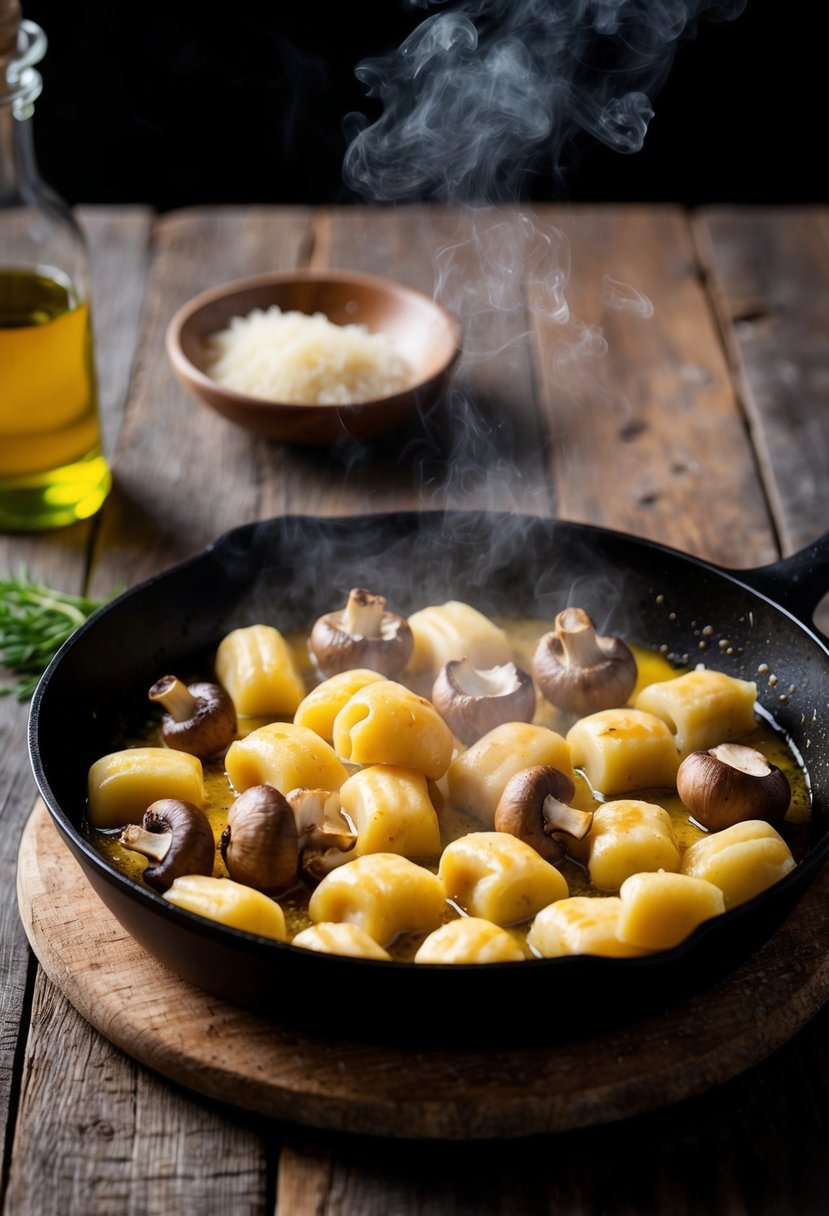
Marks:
<point>535,807</point>
<point>324,836</point>
<point>363,634</point>
<point>580,671</point>
<point>200,717</point>
<point>473,702</point>
<point>177,837</point>
<point>259,845</point>
<point>731,783</point>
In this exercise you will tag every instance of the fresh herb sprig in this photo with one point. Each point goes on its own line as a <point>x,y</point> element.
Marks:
<point>35,621</point>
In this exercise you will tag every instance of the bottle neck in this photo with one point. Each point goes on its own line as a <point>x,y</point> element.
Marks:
<point>19,178</point>
<point>20,87</point>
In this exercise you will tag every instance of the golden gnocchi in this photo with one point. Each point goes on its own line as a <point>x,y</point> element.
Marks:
<point>390,817</point>
<point>741,860</point>
<point>477,777</point>
<point>122,785</point>
<point>702,708</point>
<point>469,940</point>
<point>392,811</point>
<point>257,667</point>
<point>629,836</point>
<point>581,924</point>
<point>285,756</point>
<point>387,723</point>
<point>498,877</point>
<point>620,750</point>
<point>383,894</point>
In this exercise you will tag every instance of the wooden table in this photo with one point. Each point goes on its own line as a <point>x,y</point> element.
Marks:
<point>681,400</point>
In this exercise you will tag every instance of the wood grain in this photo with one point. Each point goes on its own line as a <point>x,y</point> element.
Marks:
<point>647,432</point>
<point>285,1073</point>
<point>767,270</point>
<point>59,559</point>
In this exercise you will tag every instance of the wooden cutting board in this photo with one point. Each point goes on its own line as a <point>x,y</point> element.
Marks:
<point>224,1053</point>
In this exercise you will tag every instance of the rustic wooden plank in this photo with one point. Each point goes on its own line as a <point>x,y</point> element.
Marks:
<point>647,430</point>
<point>753,1145</point>
<point>768,268</point>
<point>95,1133</point>
<point>182,474</point>
<point>480,446</point>
<point>100,1135</point>
<point>60,560</point>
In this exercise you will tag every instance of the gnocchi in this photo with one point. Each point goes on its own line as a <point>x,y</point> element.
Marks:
<point>620,750</point>
<point>628,837</point>
<point>396,853</point>
<point>258,669</point>
<point>701,708</point>
<point>392,811</point>
<point>477,777</point>
<point>498,877</point>
<point>383,894</point>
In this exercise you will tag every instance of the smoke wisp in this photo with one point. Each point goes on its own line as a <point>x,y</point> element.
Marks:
<point>483,93</point>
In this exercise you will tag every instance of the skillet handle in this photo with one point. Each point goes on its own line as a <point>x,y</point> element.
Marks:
<point>798,582</point>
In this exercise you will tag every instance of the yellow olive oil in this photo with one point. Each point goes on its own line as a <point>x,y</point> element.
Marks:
<point>52,470</point>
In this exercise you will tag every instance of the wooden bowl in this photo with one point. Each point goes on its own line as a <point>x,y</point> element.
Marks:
<point>422,332</point>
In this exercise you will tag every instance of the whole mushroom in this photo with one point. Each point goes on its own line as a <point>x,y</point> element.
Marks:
<point>259,844</point>
<point>200,717</point>
<point>363,634</point>
<point>177,837</point>
<point>580,671</point>
<point>535,807</point>
<point>730,783</point>
<point>473,702</point>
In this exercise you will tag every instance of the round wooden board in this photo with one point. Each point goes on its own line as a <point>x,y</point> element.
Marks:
<point>227,1054</point>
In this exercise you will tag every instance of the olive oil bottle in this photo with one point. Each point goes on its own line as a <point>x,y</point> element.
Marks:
<point>52,469</point>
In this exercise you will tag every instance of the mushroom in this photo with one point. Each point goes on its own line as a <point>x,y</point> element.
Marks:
<point>324,835</point>
<point>730,783</point>
<point>535,807</point>
<point>473,702</point>
<point>579,671</point>
<point>363,634</point>
<point>259,844</point>
<point>177,837</point>
<point>200,717</point>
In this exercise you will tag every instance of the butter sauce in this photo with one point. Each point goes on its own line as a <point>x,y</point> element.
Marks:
<point>455,822</point>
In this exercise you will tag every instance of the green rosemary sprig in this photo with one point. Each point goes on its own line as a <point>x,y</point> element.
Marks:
<point>35,621</point>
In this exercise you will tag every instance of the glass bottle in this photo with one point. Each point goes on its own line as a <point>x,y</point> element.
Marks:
<point>52,469</point>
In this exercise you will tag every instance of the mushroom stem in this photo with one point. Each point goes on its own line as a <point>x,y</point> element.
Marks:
<point>154,845</point>
<point>363,614</point>
<point>175,696</point>
<point>579,639</point>
<point>568,820</point>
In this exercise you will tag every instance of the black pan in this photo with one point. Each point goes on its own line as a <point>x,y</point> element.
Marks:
<point>287,571</point>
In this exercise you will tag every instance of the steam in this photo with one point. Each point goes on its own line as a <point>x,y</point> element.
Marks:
<point>486,92</point>
<point>482,96</point>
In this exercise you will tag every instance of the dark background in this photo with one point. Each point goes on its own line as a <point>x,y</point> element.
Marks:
<point>186,102</point>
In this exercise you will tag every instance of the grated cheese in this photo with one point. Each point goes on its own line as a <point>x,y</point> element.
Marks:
<point>293,357</point>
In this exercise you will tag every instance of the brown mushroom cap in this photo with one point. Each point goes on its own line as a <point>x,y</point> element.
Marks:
<point>473,702</point>
<point>363,634</point>
<point>259,844</point>
<point>200,717</point>
<point>580,672</point>
<point>535,807</point>
<point>731,783</point>
<point>177,836</point>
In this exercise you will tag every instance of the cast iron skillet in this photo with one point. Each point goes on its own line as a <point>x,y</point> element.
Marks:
<point>286,572</point>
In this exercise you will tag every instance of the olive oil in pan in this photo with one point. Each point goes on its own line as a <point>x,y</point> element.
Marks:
<point>52,470</point>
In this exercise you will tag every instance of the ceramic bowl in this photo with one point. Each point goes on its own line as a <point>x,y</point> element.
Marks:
<point>423,332</point>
